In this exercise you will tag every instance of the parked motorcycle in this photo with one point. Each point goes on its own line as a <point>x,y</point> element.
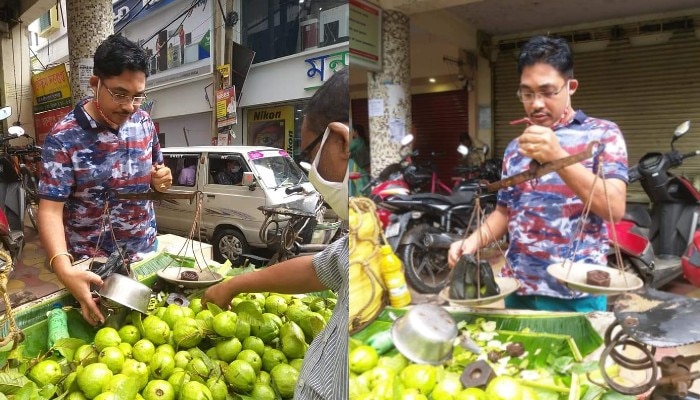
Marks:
<point>12,196</point>
<point>661,242</point>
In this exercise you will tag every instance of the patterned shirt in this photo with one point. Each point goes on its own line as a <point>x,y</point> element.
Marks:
<point>544,215</point>
<point>324,374</point>
<point>83,162</point>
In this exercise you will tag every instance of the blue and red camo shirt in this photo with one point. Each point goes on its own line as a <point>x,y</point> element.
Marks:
<point>83,162</point>
<point>544,215</point>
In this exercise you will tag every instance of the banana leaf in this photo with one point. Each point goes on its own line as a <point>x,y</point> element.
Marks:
<point>575,325</point>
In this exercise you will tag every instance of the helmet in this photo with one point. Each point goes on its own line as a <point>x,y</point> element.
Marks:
<point>416,177</point>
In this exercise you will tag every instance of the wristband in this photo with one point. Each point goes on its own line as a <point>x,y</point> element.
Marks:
<point>63,253</point>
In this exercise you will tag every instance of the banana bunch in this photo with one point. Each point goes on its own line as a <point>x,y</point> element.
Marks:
<point>368,294</point>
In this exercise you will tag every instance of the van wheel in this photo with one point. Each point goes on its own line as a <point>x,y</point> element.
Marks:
<point>229,244</point>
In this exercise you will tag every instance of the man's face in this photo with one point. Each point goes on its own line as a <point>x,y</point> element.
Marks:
<point>545,93</point>
<point>130,84</point>
<point>333,162</point>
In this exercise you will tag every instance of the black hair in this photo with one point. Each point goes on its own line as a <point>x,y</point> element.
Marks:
<point>465,139</point>
<point>361,132</point>
<point>330,103</point>
<point>547,50</point>
<point>117,54</point>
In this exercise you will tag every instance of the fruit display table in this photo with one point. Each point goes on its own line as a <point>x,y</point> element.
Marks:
<point>180,349</point>
<point>561,352</point>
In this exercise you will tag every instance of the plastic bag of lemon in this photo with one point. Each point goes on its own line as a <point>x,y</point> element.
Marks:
<point>368,294</point>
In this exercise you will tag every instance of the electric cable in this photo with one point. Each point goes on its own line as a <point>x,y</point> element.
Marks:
<point>21,71</point>
<point>134,17</point>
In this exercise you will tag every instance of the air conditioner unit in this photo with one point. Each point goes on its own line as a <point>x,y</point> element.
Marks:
<point>48,23</point>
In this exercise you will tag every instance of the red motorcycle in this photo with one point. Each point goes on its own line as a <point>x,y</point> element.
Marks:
<point>12,196</point>
<point>661,242</point>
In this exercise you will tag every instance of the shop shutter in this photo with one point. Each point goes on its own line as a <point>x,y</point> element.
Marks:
<point>647,91</point>
<point>359,113</point>
<point>439,120</point>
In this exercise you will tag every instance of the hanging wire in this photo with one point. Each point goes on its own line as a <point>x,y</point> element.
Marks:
<point>21,73</point>
<point>135,15</point>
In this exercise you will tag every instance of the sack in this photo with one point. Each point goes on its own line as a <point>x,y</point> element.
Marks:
<point>464,279</point>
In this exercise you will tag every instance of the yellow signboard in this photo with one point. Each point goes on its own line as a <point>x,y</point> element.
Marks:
<point>271,126</point>
<point>51,89</point>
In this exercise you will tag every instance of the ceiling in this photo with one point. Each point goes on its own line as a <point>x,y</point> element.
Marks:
<point>510,17</point>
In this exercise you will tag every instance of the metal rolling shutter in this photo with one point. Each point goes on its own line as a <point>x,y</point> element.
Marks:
<point>647,91</point>
<point>439,120</point>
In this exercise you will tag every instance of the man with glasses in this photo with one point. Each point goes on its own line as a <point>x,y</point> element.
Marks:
<point>543,218</point>
<point>105,145</point>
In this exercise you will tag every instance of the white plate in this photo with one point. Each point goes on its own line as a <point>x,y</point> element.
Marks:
<point>206,277</point>
<point>506,284</point>
<point>573,275</point>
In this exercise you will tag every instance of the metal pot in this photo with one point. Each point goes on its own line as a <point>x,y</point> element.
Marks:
<point>425,334</point>
<point>120,290</point>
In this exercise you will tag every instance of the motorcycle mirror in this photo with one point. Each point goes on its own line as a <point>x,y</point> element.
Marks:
<point>463,150</point>
<point>485,149</point>
<point>407,139</point>
<point>15,130</point>
<point>680,131</point>
<point>5,112</point>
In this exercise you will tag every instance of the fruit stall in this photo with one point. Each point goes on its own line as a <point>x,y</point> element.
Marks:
<point>456,348</point>
<point>173,349</point>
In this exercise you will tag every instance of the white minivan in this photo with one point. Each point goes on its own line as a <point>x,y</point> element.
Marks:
<point>234,182</point>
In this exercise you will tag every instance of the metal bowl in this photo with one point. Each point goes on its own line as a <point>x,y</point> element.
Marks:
<point>126,291</point>
<point>425,334</point>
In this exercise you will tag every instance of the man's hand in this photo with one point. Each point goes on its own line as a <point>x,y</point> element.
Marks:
<point>78,283</point>
<point>220,294</point>
<point>459,248</point>
<point>541,144</point>
<point>161,178</point>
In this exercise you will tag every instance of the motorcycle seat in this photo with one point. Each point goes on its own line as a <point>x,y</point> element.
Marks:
<point>639,214</point>
<point>457,198</point>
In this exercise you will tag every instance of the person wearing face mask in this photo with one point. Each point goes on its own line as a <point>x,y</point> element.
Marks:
<point>231,175</point>
<point>324,140</point>
<point>542,217</point>
<point>105,145</point>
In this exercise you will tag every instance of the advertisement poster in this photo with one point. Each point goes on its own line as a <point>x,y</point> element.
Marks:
<point>272,126</point>
<point>226,107</point>
<point>43,122</point>
<point>365,35</point>
<point>175,34</point>
<point>51,89</point>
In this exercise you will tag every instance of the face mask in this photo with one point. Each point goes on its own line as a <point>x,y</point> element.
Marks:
<point>335,193</point>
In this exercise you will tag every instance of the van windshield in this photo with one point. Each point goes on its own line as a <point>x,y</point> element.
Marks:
<point>276,168</point>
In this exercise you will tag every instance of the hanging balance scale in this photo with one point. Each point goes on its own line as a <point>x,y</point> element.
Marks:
<point>508,285</point>
<point>183,271</point>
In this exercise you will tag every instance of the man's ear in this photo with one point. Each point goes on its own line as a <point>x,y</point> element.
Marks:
<point>94,80</point>
<point>340,136</point>
<point>573,85</point>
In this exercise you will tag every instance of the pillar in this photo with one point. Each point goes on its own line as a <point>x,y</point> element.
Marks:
<point>389,93</point>
<point>89,23</point>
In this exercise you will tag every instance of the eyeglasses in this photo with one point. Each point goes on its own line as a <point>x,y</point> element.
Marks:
<point>304,154</point>
<point>124,99</point>
<point>527,96</point>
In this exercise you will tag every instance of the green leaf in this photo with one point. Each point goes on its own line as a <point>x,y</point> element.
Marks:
<point>28,392</point>
<point>48,391</point>
<point>585,367</point>
<point>68,346</point>
<point>214,308</point>
<point>249,312</point>
<point>137,321</point>
<point>12,382</point>
<point>611,395</point>
<point>593,392</point>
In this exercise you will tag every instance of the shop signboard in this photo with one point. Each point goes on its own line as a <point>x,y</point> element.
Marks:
<point>44,121</point>
<point>366,35</point>
<point>272,126</point>
<point>51,89</point>
<point>226,107</point>
<point>318,73</point>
